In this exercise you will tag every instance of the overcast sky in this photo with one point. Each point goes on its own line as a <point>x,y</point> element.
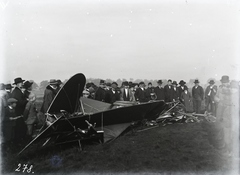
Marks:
<point>141,39</point>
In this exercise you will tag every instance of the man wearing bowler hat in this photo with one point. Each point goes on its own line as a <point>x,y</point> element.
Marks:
<point>49,94</point>
<point>226,113</point>
<point>20,128</point>
<point>159,90</point>
<point>210,93</point>
<point>100,92</point>
<point>181,87</point>
<point>27,88</point>
<point>168,91</point>
<point>140,94</point>
<point>197,95</point>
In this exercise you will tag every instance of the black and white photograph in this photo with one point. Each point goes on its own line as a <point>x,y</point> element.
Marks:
<point>120,87</point>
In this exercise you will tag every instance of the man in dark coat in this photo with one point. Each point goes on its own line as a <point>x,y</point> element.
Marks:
<point>140,94</point>
<point>197,95</point>
<point>181,88</point>
<point>159,90</point>
<point>100,93</point>
<point>20,128</point>
<point>113,94</point>
<point>9,122</point>
<point>175,91</point>
<point>126,92</point>
<point>150,92</point>
<point>168,91</point>
<point>49,94</point>
<point>210,93</point>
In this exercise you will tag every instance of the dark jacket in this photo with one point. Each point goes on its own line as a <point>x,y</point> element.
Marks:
<point>140,95</point>
<point>128,97</point>
<point>21,101</point>
<point>148,92</point>
<point>48,97</point>
<point>160,93</point>
<point>211,92</point>
<point>168,91</point>
<point>197,93</point>
<point>181,89</point>
<point>100,94</point>
<point>111,97</point>
<point>175,94</point>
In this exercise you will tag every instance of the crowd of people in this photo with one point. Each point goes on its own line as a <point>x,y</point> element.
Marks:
<point>19,114</point>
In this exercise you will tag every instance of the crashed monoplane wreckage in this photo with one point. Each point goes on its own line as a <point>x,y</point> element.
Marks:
<point>71,118</point>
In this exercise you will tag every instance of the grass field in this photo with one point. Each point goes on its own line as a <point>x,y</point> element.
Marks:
<point>172,149</point>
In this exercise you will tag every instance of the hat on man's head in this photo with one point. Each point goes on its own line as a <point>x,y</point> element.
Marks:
<point>169,80</point>
<point>211,82</point>
<point>102,82</point>
<point>18,80</point>
<point>11,100</point>
<point>182,82</point>
<point>8,86</point>
<point>159,81</point>
<point>174,82</point>
<point>59,82</point>
<point>53,82</point>
<point>27,84</point>
<point>196,81</point>
<point>114,83</point>
<point>149,83</point>
<point>225,79</point>
<point>125,83</point>
<point>108,84</point>
<point>141,83</point>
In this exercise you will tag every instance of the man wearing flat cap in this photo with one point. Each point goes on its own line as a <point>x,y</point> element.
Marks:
<point>100,92</point>
<point>197,95</point>
<point>20,128</point>
<point>49,94</point>
<point>140,94</point>
<point>210,93</point>
<point>159,90</point>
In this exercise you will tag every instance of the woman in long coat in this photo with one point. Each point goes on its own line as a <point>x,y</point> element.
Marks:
<point>186,98</point>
